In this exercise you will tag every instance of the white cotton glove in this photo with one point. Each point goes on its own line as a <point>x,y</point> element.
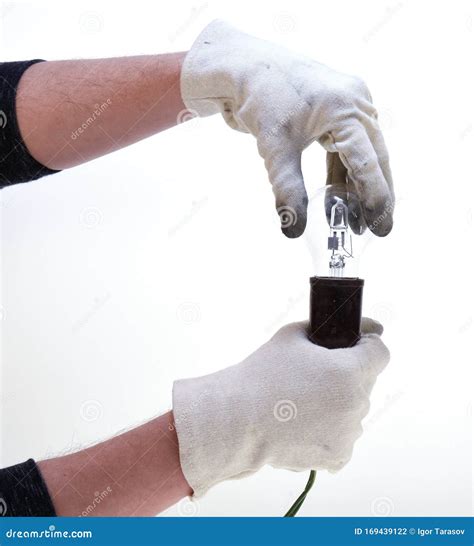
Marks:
<point>291,404</point>
<point>288,101</point>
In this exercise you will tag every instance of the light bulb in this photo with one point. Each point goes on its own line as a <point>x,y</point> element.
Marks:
<point>335,234</point>
<point>334,216</point>
<point>339,238</point>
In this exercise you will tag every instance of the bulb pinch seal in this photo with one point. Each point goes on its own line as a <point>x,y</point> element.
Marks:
<point>335,311</point>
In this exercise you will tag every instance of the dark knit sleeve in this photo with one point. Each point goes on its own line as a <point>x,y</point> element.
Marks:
<point>23,491</point>
<point>16,163</point>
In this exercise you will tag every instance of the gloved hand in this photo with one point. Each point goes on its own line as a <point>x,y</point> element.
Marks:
<point>288,101</point>
<point>291,404</point>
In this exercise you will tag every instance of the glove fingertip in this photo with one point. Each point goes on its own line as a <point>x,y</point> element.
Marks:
<point>371,326</point>
<point>293,219</point>
<point>380,218</point>
<point>293,232</point>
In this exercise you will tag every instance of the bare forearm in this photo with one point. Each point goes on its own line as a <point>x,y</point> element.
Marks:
<point>70,112</point>
<point>137,473</point>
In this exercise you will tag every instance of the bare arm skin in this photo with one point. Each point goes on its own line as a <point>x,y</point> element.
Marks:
<point>70,112</point>
<point>137,473</point>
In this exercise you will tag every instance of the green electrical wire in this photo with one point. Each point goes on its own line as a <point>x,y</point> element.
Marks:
<point>299,501</point>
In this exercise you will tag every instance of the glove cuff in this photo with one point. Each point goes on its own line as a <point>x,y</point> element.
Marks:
<point>216,432</point>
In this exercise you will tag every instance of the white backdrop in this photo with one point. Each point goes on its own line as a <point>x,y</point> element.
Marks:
<point>165,260</point>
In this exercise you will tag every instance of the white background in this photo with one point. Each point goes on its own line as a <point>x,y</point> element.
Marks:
<point>165,260</point>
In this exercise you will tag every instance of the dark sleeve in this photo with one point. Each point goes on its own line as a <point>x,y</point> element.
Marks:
<point>16,163</point>
<point>23,491</point>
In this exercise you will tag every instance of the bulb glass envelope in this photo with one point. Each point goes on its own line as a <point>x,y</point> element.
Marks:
<point>336,231</point>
